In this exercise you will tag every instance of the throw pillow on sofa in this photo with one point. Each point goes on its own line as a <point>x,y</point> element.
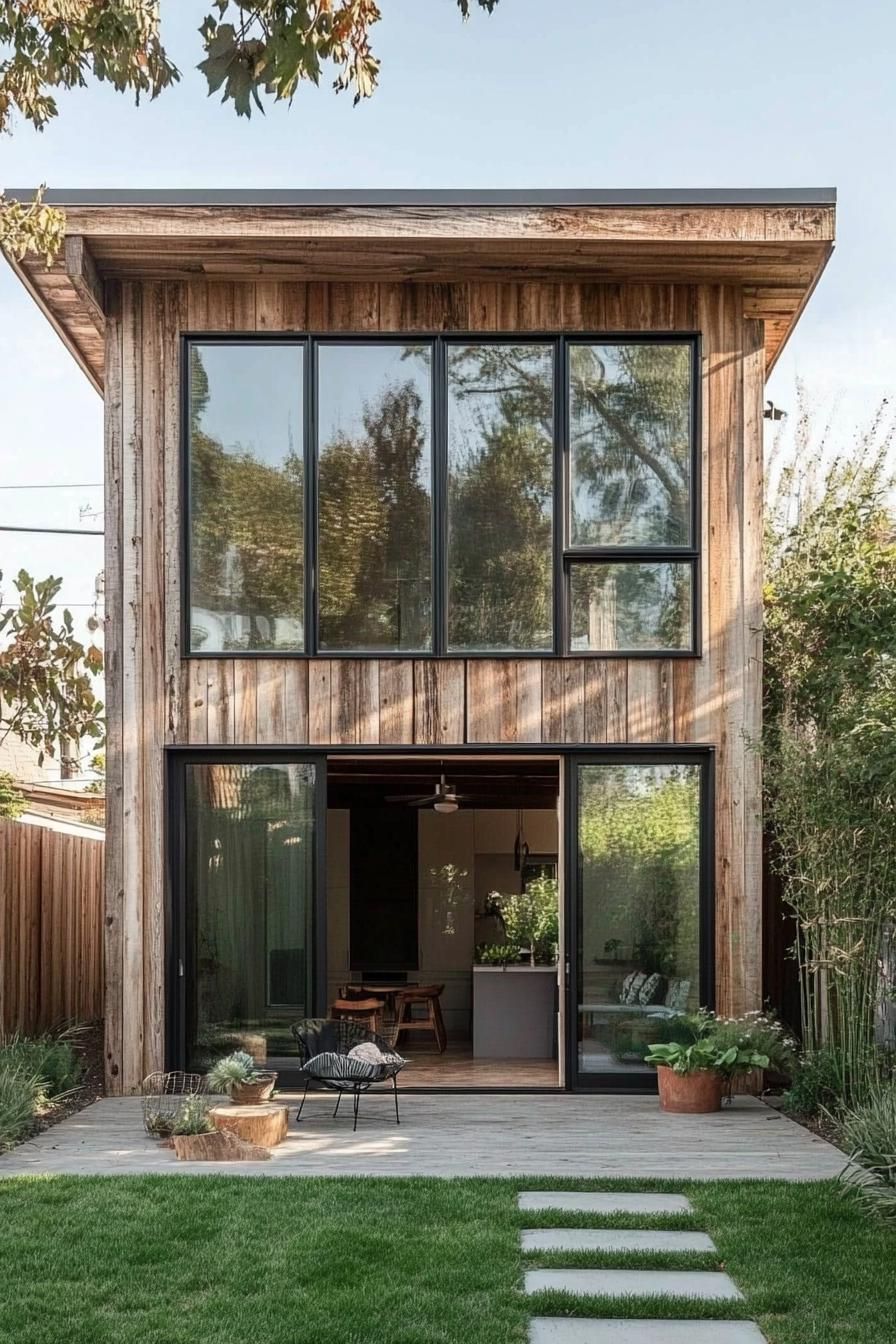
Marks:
<point>631,987</point>
<point>653,989</point>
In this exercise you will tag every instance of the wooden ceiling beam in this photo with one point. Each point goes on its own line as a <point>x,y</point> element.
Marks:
<point>81,271</point>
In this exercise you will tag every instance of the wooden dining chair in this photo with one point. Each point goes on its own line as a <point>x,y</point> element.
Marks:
<point>428,996</point>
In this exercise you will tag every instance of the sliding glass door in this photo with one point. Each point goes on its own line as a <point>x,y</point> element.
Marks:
<point>245,883</point>
<point>639,919</point>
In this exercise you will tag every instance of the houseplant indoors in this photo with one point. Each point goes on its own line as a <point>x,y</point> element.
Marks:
<point>245,1084</point>
<point>706,1054</point>
<point>515,982</point>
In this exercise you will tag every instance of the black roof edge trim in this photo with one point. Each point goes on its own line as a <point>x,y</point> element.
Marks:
<point>454,197</point>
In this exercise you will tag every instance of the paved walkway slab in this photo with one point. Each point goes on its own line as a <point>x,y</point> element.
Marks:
<point>594,1201</point>
<point>612,1239</point>
<point>566,1330</point>
<point>705,1284</point>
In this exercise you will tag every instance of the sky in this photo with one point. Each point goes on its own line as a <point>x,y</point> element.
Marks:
<point>578,93</point>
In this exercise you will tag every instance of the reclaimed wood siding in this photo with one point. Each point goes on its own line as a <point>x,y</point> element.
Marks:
<point>51,927</point>
<point>156,697</point>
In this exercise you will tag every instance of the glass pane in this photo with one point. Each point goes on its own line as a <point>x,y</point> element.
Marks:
<point>630,607</point>
<point>500,490</point>
<point>638,909</point>
<point>375,496</point>
<point>249,853</point>
<point>630,445</point>
<point>247,562</point>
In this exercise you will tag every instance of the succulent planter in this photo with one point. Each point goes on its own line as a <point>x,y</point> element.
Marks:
<point>697,1093</point>
<point>256,1093</point>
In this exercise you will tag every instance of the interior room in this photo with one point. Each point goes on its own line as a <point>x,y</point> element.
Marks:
<point>427,864</point>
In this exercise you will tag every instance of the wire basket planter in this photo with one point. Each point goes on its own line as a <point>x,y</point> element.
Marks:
<point>163,1096</point>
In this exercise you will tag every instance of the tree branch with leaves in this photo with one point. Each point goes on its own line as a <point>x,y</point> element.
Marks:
<point>252,52</point>
<point>46,674</point>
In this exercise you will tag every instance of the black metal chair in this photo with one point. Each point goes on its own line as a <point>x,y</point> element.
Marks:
<point>324,1044</point>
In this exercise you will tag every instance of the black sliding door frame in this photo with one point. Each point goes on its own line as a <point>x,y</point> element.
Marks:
<point>610,1080</point>
<point>570,755</point>
<point>177,956</point>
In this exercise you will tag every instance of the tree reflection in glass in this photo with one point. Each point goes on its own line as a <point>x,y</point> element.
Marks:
<point>500,488</point>
<point>374,497</point>
<point>246,498</point>
<point>630,607</point>
<point>630,444</point>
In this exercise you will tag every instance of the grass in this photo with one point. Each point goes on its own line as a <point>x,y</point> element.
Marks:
<point>207,1260</point>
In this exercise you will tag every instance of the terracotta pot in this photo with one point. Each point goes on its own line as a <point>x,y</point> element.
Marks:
<point>690,1093</point>
<point>255,1093</point>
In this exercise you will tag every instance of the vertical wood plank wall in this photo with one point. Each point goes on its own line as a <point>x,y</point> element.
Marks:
<point>51,919</point>
<point>157,698</point>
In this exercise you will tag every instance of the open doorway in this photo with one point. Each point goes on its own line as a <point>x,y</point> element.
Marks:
<point>443,910</point>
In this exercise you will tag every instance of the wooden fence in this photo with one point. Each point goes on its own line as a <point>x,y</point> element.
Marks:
<point>51,926</point>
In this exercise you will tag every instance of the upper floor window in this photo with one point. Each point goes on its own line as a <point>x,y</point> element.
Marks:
<point>246,497</point>
<point>500,401</point>
<point>374,497</point>
<point>447,495</point>
<point>630,550</point>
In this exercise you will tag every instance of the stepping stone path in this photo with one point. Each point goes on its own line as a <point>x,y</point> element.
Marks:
<point>613,1239</point>
<point>567,1330</point>
<point>708,1285</point>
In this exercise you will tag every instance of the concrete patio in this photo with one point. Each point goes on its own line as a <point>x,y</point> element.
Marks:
<point>462,1135</point>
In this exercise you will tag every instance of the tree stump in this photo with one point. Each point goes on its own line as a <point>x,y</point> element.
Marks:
<point>262,1125</point>
<point>217,1147</point>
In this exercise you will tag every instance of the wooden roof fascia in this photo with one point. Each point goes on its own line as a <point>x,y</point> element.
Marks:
<point>775,252</point>
<point>27,275</point>
<point>785,224</point>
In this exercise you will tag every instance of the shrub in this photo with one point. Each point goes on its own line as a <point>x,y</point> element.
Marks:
<point>12,800</point>
<point>20,1099</point>
<point>754,1033</point>
<point>816,1085</point>
<point>867,1130</point>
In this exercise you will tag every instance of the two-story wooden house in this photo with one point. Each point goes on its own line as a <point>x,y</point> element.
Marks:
<point>433,567</point>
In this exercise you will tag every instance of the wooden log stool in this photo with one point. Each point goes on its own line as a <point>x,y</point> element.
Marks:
<point>405,1021</point>
<point>264,1126</point>
<point>366,1012</point>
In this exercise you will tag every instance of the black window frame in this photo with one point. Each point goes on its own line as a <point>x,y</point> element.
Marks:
<point>563,555</point>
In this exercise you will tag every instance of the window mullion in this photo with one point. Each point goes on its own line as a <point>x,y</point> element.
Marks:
<point>310,497</point>
<point>439,467</point>
<point>561,418</point>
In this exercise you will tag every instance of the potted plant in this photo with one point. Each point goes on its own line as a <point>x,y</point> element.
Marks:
<point>237,1076</point>
<point>706,1054</point>
<point>190,1123</point>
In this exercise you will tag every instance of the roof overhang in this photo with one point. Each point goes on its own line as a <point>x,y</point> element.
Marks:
<point>773,244</point>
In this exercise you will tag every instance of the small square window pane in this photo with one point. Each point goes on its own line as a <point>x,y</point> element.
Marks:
<point>630,436</point>
<point>633,607</point>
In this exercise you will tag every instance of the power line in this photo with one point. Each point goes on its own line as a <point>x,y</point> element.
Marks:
<point>58,531</point>
<point>75,485</point>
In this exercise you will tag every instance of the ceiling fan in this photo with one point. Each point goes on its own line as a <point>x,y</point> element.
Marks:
<point>445,799</point>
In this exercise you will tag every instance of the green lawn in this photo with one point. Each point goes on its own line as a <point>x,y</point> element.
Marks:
<point>214,1260</point>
